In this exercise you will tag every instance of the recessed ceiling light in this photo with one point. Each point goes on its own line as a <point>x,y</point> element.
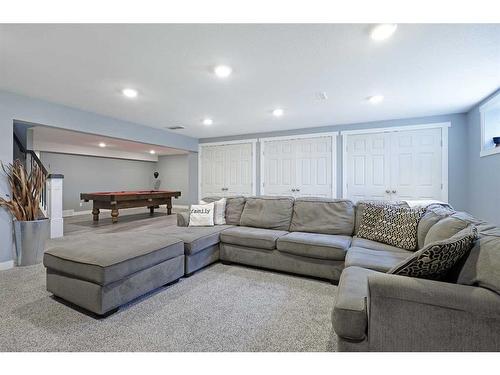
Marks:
<point>102,144</point>
<point>208,121</point>
<point>321,95</point>
<point>152,152</point>
<point>375,99</point>
<point>223,71</point>
<point>278,112</point>
<point>129,93</point>
<point>383,31</point>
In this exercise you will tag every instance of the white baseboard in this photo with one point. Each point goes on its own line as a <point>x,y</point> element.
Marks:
<point>181,206</point>
<point>6,265</point>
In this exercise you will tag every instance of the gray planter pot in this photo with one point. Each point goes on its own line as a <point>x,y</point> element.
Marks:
<point>30,241</point>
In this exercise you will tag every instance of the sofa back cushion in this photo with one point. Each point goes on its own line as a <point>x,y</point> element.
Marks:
<point>268,212</point>
<point>482,266</point>
<point>320,215</point>
<point>361,205</point>
<point>434,214</point>
<point>449,226</point>
<point>234,208</point>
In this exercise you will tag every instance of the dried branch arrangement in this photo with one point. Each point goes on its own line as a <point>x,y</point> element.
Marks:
<point>26,190</point>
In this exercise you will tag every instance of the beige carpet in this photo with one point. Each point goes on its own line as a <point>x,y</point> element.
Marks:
<point>221,308</point>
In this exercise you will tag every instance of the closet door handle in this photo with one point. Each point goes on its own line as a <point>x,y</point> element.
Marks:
<point>297,189</point>
<point>394,192</point>
<point>387,191</point>
<point>294,190</point>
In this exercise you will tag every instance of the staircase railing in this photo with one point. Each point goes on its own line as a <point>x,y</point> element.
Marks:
<point>32,159</point>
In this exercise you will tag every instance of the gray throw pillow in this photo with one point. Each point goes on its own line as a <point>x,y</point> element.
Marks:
<point>392,225</point>
<point>435,260</point>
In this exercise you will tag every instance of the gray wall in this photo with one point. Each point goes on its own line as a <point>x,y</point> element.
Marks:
<point>85,174</point>
<point>483,181</point>
<point>180,172</point>
<point>18,107</point>
<point>457,150</point>
<point>91,173</point>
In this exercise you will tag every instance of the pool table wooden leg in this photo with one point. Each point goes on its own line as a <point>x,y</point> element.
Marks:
<point>151,210</point>
<point>114,215</point>
<point>169,206</point>
<point>95,214</point>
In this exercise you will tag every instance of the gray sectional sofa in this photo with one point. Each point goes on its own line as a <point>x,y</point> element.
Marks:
<point>306,236</point>
<point>372,310</point>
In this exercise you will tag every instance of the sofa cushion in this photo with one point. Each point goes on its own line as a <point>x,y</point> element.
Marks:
<point>253,237</point>
<point>267,212</point>
<point>361,205</point>
<point>315,245</point>
<point>393,225</point>
<point>320,215</point>
<point>234,208</point>
<point>434,213</point>
<point>350,315</point>
<point>108,257</point>
<point>448,227</point>
<point>374,245</point>
<point>436,259</point>
<point>482,266</point>
<point>377,260</point>
<point>195,239</point>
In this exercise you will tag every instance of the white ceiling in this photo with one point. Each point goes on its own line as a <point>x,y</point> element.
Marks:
<point>70,142</point>
<point>422,70</point>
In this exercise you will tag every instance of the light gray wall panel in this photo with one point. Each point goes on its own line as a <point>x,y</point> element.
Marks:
<point>483,182</point>
<point>175,175</point>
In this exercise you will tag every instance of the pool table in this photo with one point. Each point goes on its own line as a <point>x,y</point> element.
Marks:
<point>114,200</point>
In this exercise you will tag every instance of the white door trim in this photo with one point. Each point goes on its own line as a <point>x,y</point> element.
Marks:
<point>398,128</point>
<point>299,136</point>
<point>444,150</point>
<point>333,135</point>
<point>223,143</point>
<point>253,141</point>
<point>444,162</point>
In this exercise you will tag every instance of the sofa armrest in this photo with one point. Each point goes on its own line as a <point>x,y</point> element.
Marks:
<point>410,314</point>
<point>183,219</point>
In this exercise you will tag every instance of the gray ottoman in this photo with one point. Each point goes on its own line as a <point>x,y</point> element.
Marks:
<point>101,272</point>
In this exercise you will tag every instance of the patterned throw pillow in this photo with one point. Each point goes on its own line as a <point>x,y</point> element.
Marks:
<point>393,225</point>
<point>372,213</point>
<point>435,260</point>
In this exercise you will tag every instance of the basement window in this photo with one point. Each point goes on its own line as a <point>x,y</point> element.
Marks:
<point>490,126</point>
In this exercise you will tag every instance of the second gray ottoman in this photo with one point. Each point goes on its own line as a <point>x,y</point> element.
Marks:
<point>101,272</point>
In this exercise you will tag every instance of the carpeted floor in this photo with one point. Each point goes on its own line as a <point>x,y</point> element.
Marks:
<point>221,308</point>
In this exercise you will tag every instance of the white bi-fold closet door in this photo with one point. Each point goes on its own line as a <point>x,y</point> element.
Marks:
<point>227,169</point>
<point>301,166</point>
<point>396,165</point>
